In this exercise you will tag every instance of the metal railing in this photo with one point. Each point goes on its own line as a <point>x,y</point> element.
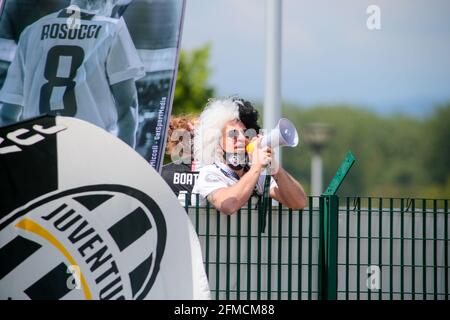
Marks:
<point>345,248</point>
<point>335,248</point>
<point>403,241</point>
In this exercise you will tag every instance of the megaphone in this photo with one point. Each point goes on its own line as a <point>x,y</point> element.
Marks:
<point>284,134</point>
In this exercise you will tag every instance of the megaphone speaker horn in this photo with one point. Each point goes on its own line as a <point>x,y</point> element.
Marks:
<point>287,132</point>
<point>284,134</point>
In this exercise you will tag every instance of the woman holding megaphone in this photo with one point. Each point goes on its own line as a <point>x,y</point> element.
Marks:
<point>235,160</point>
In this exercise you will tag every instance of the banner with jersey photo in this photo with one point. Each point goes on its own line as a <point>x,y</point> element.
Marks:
<point>112,63</point>
<point>83,216</point>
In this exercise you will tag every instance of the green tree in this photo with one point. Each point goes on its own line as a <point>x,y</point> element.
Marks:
<point>437,152</point>
<point>192,90</point>
<point>389,150</point>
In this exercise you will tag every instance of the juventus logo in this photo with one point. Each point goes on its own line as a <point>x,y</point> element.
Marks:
<point>95,242</point>
<point>22,138</point>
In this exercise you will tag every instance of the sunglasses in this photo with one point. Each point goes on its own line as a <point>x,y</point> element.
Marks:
<point>233,134</point>
<point>248,134</point>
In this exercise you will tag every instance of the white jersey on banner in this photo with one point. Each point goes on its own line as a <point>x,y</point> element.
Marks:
<point>66,69</point>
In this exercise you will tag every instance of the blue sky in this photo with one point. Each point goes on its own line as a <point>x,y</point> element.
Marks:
<point>329,55</point>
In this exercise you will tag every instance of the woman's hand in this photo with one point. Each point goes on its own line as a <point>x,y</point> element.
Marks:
<point>260,157</point>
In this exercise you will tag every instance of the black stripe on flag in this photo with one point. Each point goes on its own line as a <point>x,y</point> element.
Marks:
<point>92,201</point>
<point>14,253</point>
<point>52,286</point>
<point>130,228</point>
<point>138,275</point>
<point>30,173</point>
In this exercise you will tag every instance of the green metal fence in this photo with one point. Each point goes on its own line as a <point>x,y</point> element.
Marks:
<point>406,239</point>
<point>244,262</point>
<point>335,248</point>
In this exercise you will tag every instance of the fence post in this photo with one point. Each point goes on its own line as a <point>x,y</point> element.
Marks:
<point>329,209</point>
<point>321,276</point>
<point>328,241</point>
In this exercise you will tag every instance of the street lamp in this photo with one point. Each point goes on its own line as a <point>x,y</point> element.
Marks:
<point>316,136</point>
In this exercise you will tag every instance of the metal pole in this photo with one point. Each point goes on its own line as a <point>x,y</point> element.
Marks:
<point>272,99</point>
<point>316,175</point>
